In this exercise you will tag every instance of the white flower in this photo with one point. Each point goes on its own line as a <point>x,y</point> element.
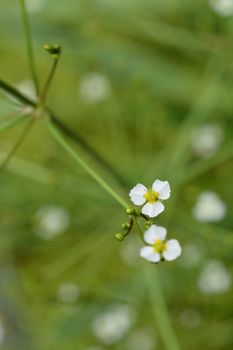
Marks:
<point>94,87</point>
<point>140,195</point>
<point>158,248</point>
<point>142,339</point>
<point>209,208</point>
<point>206,140</point>
<point>68,292</point>
<point>214,278</point>
<point>222,7</point>
<point>51,221</point>
<point>112,325</point>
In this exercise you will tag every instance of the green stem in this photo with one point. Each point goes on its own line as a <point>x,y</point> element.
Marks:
<point>17,144</point>
<point>69,132</point>
<point>61,140</point>
<point>28,37</point>
<point>138,228</point>
<point>49,80</point>
<point>7,123</point>
<point>159,308</point>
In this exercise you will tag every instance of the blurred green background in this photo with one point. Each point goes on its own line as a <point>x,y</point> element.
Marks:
<point>149,85</point>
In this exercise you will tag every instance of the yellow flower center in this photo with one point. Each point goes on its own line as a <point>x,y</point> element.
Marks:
<point>151,196</point>
<point>159,246</point>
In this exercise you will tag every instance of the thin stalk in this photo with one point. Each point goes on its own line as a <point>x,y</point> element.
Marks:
<point>49,80</point>
<point>138,228</point>
<point>159,308</point>
<point>7,123</point>
<point>17,144</point>
<point>61,140</point>
<point>29,44</point>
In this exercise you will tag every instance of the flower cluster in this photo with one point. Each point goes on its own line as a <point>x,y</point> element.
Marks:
<point>157,248</point>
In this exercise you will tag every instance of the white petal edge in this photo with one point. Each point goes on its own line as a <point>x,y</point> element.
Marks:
<point>153,210</point>
<point>173,250</point>
<point>136,194</point>
<point>155,232</point>
<point>149,254</point>
<point>163,189</point>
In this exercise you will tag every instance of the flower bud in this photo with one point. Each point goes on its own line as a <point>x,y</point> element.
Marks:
<point>131,211</point>
<point>126,226</point>
<point>119,236</point>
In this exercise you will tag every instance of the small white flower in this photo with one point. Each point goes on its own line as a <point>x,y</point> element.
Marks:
<point>113,324</point>
<point>222,7</point>
<point>158,248</point>
<point>209,208</point>
<point>51,221</point>
<point>142,339</point>
<point>94,87</point>
<point>214,278</point>
<point>68,292</point>
<point>206,140</point>
<point>140,195</point>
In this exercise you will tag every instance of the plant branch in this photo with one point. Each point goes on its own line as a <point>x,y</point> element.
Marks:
<point>61,140</point>
<point>73,135</point>
<point>17,144</point>
<point>29,44</point>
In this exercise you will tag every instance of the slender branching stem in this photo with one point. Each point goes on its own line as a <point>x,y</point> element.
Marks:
<point>49,80</point>
<point>62,141</point>
<point>17,144</point>
<point>29,44</point>
<point>69,132</point>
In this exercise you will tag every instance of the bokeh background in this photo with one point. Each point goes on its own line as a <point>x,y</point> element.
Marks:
<point>149,85</point>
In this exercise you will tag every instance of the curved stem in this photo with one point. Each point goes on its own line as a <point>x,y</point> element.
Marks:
<point>159,308</point>
<point>28,37</point>
<point>61,140</point>
<point>138,228</point>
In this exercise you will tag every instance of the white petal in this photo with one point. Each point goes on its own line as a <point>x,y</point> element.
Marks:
<point>149,254</point>
<point>152,210</point>
<point>153,233</point>
<point>173,250</point>
<point>163,189</point>
<point>136,194</point>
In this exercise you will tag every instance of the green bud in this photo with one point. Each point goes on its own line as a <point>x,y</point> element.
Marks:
<point>119,236</point>
<point>126,226</point>
<point>131,211</point>
<point>53,49</point>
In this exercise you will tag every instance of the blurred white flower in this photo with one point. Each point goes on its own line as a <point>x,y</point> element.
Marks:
<point>35,5</point>
<point>68,292</point>
<point>190,318</point>
<point>140,195</point>
<point>113,324</point>
<point>191,255</point>
<point>209,208</point>
<point>222,7</point>
<point>27,88</point>
<point>51,221</point>
<point>129,251</point>
<point>142,339</point>
<point>206,140</point>
<point>214,278</point>
<point>158,247</point>
<point>94,87</point>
